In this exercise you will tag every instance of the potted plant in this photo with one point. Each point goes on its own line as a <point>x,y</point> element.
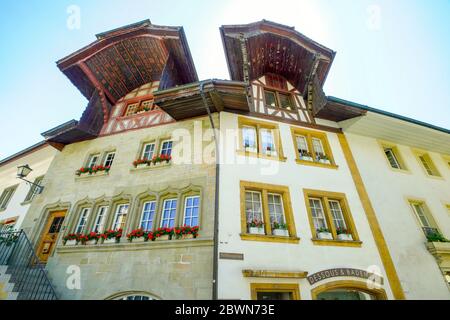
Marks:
<point>269,150</point>
<point>343,234</point>
<point>163,234</point>
<point>436,236</point>
<point>141,163</point>
<point>248,148</point>
<point>280,229</point>
<point>305,155</point>
<point>71,239</point>
<point>137,235</point>
<point>112,236</point>
<point>83,239</point>
<point>186,232</point>
<point>92,170</point>
<point>92,238</point>
<point>150,236</point>
<point>323,158</point>
<point>256,227</point>
<point>324,234</point>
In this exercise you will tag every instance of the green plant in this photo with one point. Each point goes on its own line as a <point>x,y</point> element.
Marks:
<point>255,223</point>
<point>323,230</point>
<point>342,231</point>
<point>436,237</point>
<point>280,226</point>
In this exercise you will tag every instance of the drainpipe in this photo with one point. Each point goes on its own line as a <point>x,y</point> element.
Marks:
<point>216,204</point>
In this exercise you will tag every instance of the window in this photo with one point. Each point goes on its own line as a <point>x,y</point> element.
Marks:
<point>259,139</point>
<point>329,213</point>
<point>253,206</point>
<point>312,148</point>
<point>93,160</point>
<point>33,190</point>
<point>276,211</point>
<point>424,217</point>
<point>148,215</point>
<point>317,214</point>
<point>275,291</point>
<point>393,156</point>
<point>148,151</point>
<point>249,137</point>
<point>427,163</point>
<point>169,213</point>
<point>120,217</point>
<point>139,107</point>
<point>191,211</point>
<point>271,98</point>
<point>99,222</point>
<point>390,155</point>
<point>166,148</point>
<point>109,159</point>
<point>82,221</point>
<point>6,197</point>
<point>270,205</point>
<point>275,99</point>
<point>286,101</point>
<point>132,109</point>
<point>267,142</point>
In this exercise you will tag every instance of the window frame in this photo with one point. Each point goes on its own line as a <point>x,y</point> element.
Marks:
<point>426,212</point>
<point>116,214</point>
<point>309,135</point>
<point>96,223</point>
<point>33,190</point>
<point>155,215</point>
<point>84,212</point>
<point>292,288</point>
<point>144,146</point>
<point>7,194</point>
<point>259,126</point>
<point>107,154</point>
<point>90,157</point>
<point>426,156</point>
<point>162,146</point>
<point>162,219</point>
<point>325,197</point>
<point>384,145</point>
<point>185,207</point>
<point>265,189</point>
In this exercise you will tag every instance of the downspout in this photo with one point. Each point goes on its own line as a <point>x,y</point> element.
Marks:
<point>216,204</point>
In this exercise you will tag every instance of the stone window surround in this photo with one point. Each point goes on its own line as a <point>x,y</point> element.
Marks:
<point>397,154</point>
<point>103,154</point>
<point>325,196</point>
<point>158,143</point>
<point>135,209</point>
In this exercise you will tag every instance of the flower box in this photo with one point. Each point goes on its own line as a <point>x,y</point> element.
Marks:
<point>112,240</point>
<point>325,236</point>
<point>142,165</point>
<point>255,230</point>
<point>345,237</point>
<point>324,161</point>
<point>138,240</point>
<point>306,158</point>
<point>250,149</point>
<point>187,236</point>
<point>280,232</point>
<point>92,242</point>
<point>165,237</point>
<point>71,243</point>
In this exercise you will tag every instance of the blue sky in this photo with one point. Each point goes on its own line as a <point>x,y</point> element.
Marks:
<point>391,55</point>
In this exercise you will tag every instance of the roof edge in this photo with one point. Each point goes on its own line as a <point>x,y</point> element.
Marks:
<point>388,114</point>
<point>23,152</point>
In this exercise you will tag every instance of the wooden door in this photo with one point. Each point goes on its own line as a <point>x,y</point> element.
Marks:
<point>50,235</point>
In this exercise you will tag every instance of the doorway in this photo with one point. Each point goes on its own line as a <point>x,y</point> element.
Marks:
<point>50,235</point>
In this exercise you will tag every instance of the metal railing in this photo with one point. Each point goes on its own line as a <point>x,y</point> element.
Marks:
<point>27,273</point>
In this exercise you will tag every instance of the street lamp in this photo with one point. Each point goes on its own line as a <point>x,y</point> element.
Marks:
<point>23,172</point>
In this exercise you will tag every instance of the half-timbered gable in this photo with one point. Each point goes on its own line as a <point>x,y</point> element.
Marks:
<point>273,95</point>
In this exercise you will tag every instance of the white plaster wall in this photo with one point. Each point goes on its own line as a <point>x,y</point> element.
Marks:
<point>39,161</point>
<point>388,191</point>
<point>304,256</point>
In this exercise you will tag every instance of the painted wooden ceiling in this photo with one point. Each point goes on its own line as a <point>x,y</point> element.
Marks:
<point>123,59</point>
<point>273,48</point>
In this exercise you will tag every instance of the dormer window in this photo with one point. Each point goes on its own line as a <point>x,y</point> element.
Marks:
<point>139,107</point>
<point>276,93</point>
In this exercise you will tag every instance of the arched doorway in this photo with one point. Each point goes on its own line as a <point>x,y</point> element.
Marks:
<point>347,290</point>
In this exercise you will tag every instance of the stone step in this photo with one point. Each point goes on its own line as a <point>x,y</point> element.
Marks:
<point>12,296</point>
<point>33,295</point>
